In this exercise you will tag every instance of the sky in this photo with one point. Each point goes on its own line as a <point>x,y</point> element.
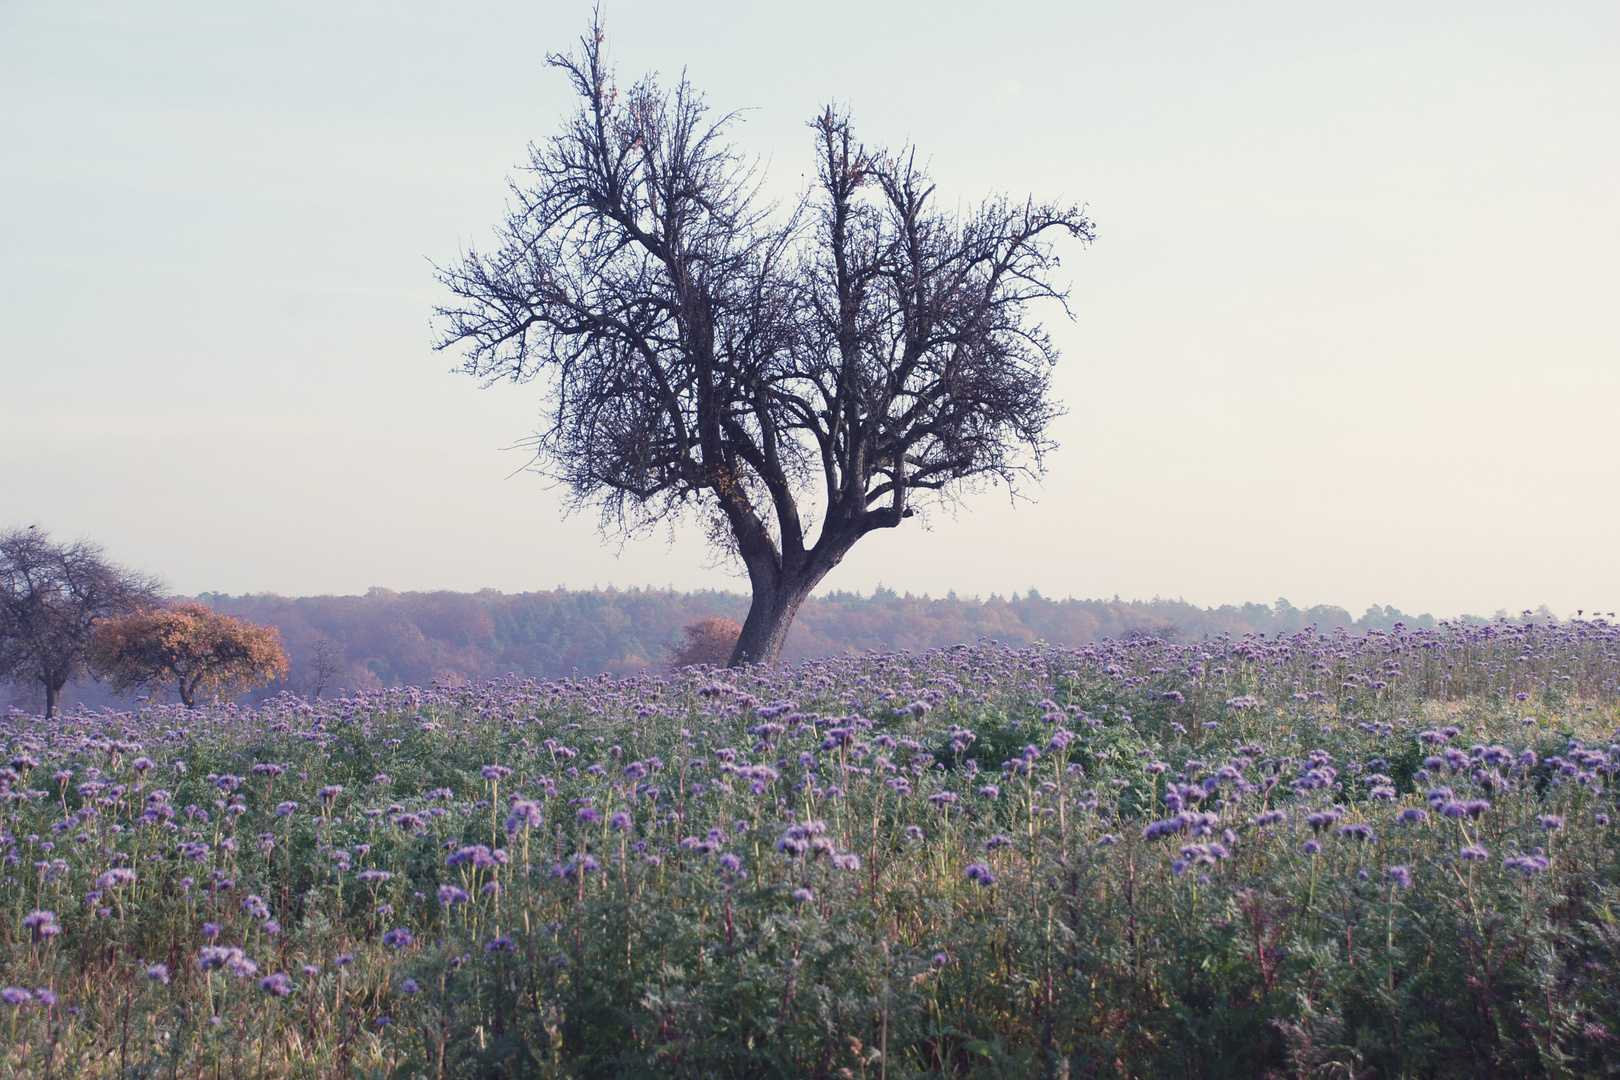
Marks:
<point>1348,334</point>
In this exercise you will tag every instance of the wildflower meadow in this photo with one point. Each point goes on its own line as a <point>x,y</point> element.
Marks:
<point>1326,854</point>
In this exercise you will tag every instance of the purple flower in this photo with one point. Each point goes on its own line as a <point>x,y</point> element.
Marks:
<point>369,876</point>
<point>16,996</point>
<point>847,862</point>
<point>158,973</point>
<point>46,995</point>
<point>345,959</point>
<point>620,821</point>
<point>914,832</point>
<point>118,875</point>
<point>409,986</point>
<point>210,930</point>
<point>940,959</point>
<point>980,873</point>
<point>277,984</point>
<point>803,896</point>
<point>1550,822</point>
<point>450,895</point>
<point>499,945</point>
<point>285,808</point>
<point>398,937</point>
<point>590,815</point>
<point>1528,865</point>
<point>730,863</point>
<point>330,793</point>
<point>1412,815</point>
<point>1311,847</point>
<point>496,772</point>
<point>1475,853</point>
<point>1400,875</point>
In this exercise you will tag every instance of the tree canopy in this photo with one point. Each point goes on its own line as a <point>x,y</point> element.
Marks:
<point>189,648</point>
<point>52,597</point>
<point>803,375</point>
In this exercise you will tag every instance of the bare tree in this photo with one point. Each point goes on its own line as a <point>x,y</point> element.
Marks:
<point>843,360</point>
<point>52,596</point>
<point>325,661</point>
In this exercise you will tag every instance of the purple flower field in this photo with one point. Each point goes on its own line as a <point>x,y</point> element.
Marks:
<point>1387,855</point>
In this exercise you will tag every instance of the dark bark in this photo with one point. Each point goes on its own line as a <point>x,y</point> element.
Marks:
<point>863,351</point>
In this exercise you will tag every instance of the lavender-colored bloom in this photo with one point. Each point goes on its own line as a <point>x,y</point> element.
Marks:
<point>803,896</point>
<point>158,973</point>
<point>496,772</point>
<point>1528,865</point>
<point>730,863</point>
<point>1311,847</point>
<point>15,996</point>
<point>272,927</point>
<point>285,808</point>
<point>210,930</point>
<point>620,821</point>
<point>1358,831</point>
<point>990,791</point>
<point>1400,875</point>
<point>46,996</point>
<point>256,907</point>
<point>277,984</point>
<point>1475,853</point>
<point>525,814</point>
<point>914,832</point>
<point>330,793</point>
<point>940,959</point>
<point>980,873</point>
<point>1107,840</point>
<point>847,861</point>
<point>118,875</point>
<point>499,945</point>
<point>590,815</point>
<point>1412,815</point>
<point>345,959</point>
<point>399,938</point>
<point>370,876</point>
<point>310,971</point>
<point>1550,822</point>
<point>450,895</point>
<point>1601,818</point>
<point>409,986</point>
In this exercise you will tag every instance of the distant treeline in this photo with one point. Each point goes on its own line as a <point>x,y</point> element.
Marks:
<point>387,638</point>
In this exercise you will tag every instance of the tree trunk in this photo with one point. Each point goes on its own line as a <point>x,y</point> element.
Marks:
<point>770,617</point>
<point>53,696</point>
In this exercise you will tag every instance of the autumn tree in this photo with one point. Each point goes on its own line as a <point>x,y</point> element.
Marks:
<point>705,641</point>
<point>806,376</point>
<point>52,597</point>
<point>190,648</point>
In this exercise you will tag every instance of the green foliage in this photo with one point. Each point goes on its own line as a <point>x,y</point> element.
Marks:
<point>635,948</point>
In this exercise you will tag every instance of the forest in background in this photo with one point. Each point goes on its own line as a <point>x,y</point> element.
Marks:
<point>388,638</point>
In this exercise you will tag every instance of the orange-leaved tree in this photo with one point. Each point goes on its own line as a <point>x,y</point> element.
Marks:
<point>190,648</point>
<point>706,641</point>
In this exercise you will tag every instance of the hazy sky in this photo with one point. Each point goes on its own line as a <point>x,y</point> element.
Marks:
<point>1350,332</point>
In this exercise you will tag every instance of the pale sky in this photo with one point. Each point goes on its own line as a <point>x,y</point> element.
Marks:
<point>1350,332</point>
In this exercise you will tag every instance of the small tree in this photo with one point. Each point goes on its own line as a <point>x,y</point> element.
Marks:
<point>52,596</point>
<point>844,361</point>
<point>706,641</point>
<point>191,648</point>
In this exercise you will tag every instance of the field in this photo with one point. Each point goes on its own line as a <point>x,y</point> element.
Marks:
<point>1322,855</point>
